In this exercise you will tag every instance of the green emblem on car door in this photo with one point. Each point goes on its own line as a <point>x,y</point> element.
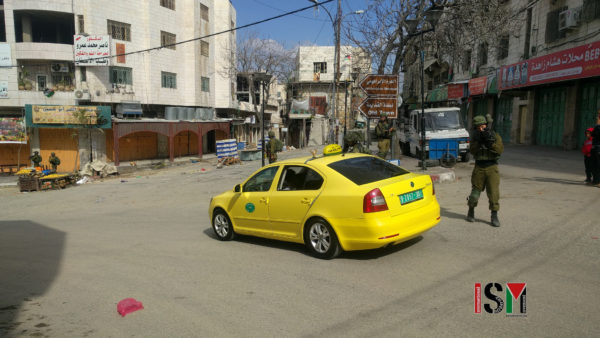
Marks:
<point>250,207</point>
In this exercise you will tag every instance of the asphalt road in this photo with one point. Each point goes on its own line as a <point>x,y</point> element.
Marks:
<point>67,257</point>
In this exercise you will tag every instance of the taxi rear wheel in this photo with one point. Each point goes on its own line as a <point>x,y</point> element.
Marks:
<point>321,240</point>
<point>222,225</point>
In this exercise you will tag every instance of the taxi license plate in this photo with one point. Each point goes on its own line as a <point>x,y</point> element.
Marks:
<point>411,196</point>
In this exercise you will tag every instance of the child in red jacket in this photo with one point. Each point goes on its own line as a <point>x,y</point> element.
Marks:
<point>587,160</point>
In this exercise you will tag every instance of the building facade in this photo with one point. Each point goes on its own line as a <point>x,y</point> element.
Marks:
<point>145,58</point>
<point>311,117</point>
<point>539,81</point>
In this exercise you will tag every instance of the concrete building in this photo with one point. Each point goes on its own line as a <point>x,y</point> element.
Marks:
<point>310,119</point>
<point>156,61</point>
<point>541,82</point>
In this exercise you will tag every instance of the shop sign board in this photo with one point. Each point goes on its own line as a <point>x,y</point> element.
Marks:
<point>89,50</point>
<point>477,86</point>
<point>456,91</point>
<point>375,107</point>
<point>3,89</point>
<point>56,116</point>
<point>573,63</point>
<point>5,57</point>
<point>12,130</point>
<point>380,85</point>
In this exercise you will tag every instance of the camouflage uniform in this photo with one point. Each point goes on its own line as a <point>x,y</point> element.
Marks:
<point>353,142</point>
<point>272,147</point>
<point>54,161</point>
<point>383,135</point>
<point>36,159</point>
<point>486,147</point>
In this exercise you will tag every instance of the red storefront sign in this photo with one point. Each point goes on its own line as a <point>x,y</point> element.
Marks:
<point>477,86</point>
<point>573,63</point>
<point>456,91</point>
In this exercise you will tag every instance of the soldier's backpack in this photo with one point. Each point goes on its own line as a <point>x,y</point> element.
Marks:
<point>278,145</point>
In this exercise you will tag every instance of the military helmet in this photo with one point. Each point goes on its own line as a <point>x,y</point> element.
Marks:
<point>479,120</point>
<point>271,134</point>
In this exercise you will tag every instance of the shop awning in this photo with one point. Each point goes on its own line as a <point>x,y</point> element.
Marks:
<point>438,94</point>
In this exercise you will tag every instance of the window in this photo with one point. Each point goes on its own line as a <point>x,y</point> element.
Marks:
<point>299,178</point>
<point>318,104</point>
<point>204,48</point>
<point>483,53</point>
<point>168,80</point>
<point>205,84</point>
<point>590,10</point>
<point>466,66</point>
<point>320,67</point>
<point>170,4</point>
<point>552,32</point>
<point>203,12</point>
<point>120,75</point>
<point>61,78</point>
<point>503,47</point>
<point>167,40</point>
<point>41,82</point>
<point>83,74</point>
<point>261,181</point>
<point>80,24</point>
<point>119,30</point>
<point>363,170</point>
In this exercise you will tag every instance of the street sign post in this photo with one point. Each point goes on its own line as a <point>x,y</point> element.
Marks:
<point>375,107</point>
<point>380,85</point>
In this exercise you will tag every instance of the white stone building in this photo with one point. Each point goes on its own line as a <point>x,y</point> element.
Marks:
<point>310,118</point>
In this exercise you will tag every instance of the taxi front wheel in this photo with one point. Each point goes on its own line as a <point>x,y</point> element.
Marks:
<point>222,225</point>
<point>321,240</point>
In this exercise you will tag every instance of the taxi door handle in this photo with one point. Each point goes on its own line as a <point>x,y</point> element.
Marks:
<point>305,201</point>
<point>264,200</point>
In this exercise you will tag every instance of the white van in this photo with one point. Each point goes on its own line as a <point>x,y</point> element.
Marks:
<point>444,134</point>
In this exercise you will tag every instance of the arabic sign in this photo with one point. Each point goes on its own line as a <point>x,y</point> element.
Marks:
<point>53,116</point>
<point>456,91</point>
<point>12,130</point>
<point>573,63</point>
<point>90,49</point>
<point>375,107</point>
<point>380,85</point>
<point>477,86</point>
<point>5,57</point>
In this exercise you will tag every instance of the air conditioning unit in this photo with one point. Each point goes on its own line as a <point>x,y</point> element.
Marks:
<point>82,95</point>
<point>59,67</point>
<point>569,18</point>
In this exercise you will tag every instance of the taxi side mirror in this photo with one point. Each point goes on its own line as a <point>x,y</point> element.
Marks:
<point>237,188</point>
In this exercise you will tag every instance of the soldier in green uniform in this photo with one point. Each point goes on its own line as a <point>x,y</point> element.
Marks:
<point>384,134</point>
<point>353,142</point>
<point>36,159</point>
<point>54,161</point>
<point>273,146</point>
<point>486,147</point>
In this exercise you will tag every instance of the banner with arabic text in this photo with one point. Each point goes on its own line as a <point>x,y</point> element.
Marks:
<point>573,63</point>
<point>12,130</point>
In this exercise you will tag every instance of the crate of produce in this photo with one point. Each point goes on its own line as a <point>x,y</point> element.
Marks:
<point>29,183</point>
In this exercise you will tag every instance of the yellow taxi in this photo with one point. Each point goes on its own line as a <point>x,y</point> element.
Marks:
<point>329,203</point>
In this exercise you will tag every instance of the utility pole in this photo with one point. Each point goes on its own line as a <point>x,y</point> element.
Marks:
<point>338,18</point>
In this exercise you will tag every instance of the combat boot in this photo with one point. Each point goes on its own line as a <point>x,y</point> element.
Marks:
<point>495,221</point>
<point>471,215</point>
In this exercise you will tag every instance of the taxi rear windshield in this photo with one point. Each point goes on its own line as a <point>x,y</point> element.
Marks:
<point>363,170</point>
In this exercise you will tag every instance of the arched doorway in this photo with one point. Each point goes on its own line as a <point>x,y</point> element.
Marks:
<point>186,144</point>
<point>141,145</point>
<point>209,141</point>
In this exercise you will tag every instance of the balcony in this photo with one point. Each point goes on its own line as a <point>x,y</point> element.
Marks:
<point>43,51</point>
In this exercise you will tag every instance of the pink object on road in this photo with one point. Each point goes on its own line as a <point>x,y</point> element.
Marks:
<point>128,305</point>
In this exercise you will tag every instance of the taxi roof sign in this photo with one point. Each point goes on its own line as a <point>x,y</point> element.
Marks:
<point>332,149</point>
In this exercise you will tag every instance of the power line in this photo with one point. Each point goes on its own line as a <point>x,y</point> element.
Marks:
<point>205,36</point>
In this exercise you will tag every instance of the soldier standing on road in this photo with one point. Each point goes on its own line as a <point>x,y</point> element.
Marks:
<point>36,159</point>
<point>384,133</point>
<point>486,147</point>
<point>272,147</point>
<point>54,161</point>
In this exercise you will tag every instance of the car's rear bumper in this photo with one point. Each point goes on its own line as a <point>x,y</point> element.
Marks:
<point>372,233</point>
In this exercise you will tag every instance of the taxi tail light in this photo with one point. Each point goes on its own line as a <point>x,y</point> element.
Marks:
<point>374,201</point>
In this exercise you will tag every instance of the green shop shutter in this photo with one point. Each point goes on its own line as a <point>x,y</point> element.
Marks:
<point>550,116</point>
<point>503,118</point>
<point>589,100</point>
